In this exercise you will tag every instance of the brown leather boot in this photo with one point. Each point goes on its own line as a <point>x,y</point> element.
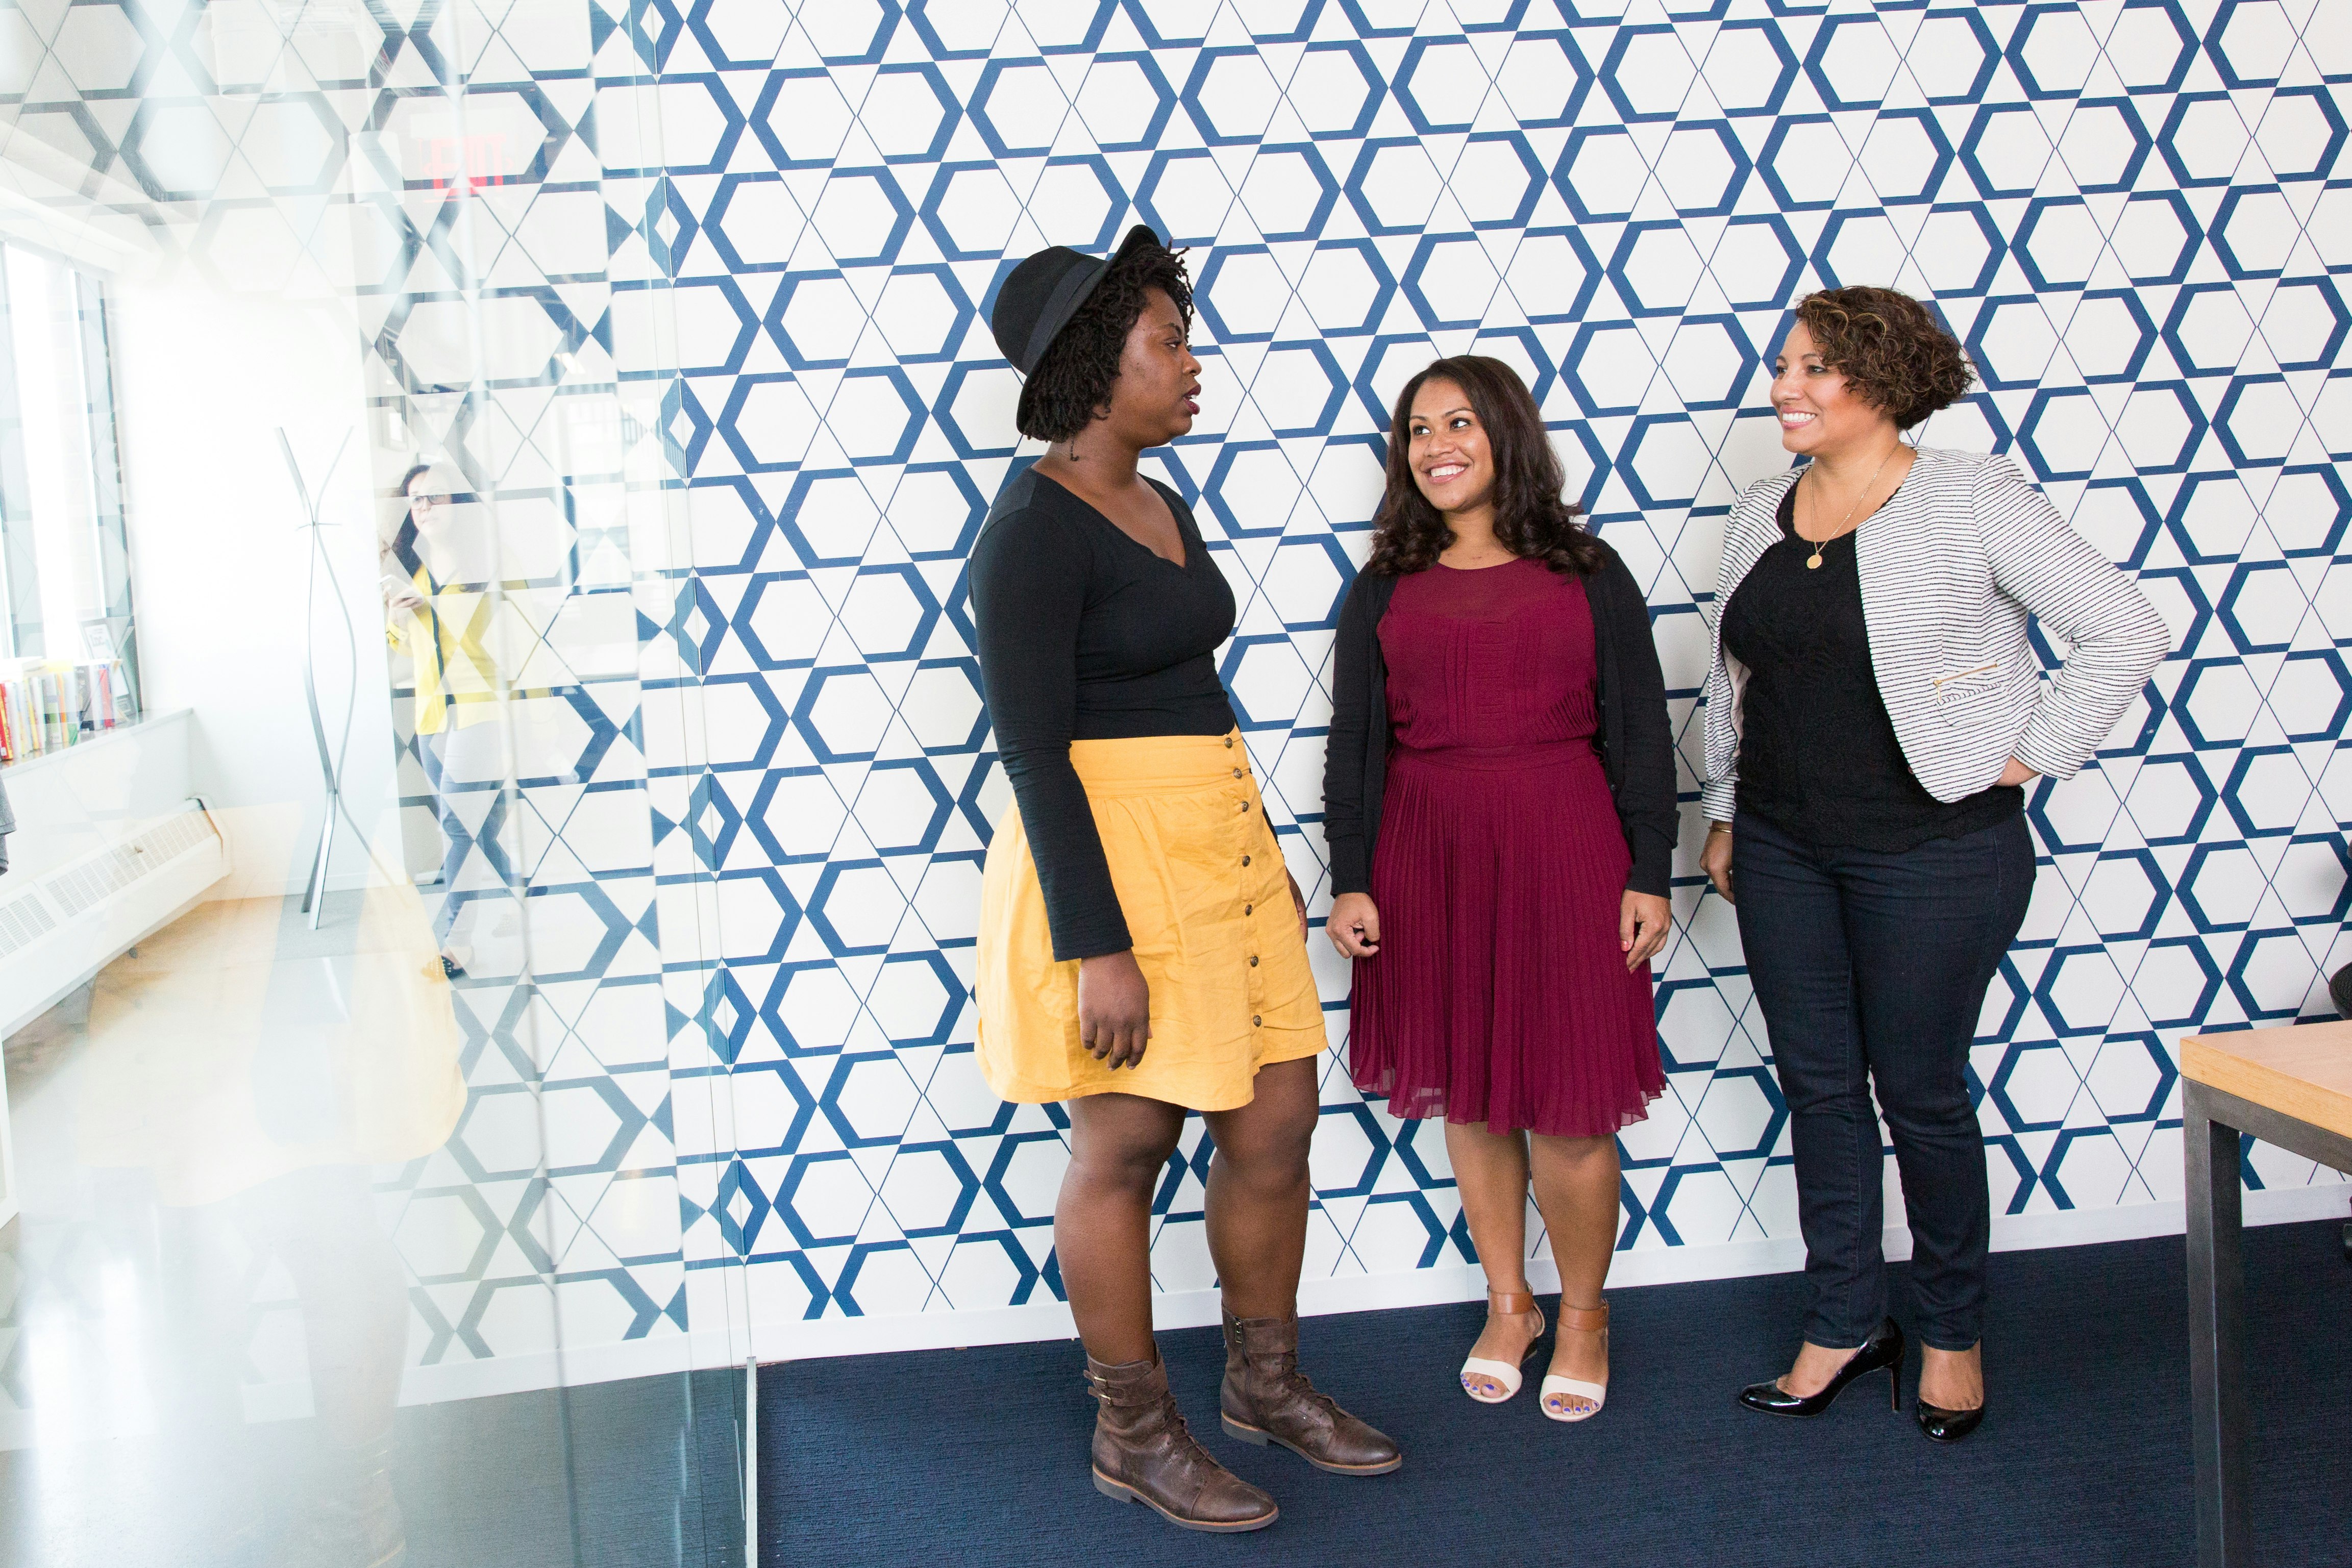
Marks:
<point>1144,1453</point>
<point>1266,1398</point>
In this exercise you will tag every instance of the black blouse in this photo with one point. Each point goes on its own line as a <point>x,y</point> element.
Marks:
<point>1818,754</point>
<point>1086,634</point>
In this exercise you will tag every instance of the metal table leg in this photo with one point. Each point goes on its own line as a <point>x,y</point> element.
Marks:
<point>2219,1422</point>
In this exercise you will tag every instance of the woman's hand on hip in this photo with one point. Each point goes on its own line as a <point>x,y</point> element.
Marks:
<point>1298,902</point>
<point>2015,773</point>
<point>1114,1008</point>
<point>1716,860</point>
<point>1354,926</point>
<point>1645,920</point>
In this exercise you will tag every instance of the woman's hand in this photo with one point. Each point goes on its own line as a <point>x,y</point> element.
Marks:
<point>1298,902</point>
<point>1645,920</point>
<point>1354,926</point>
<point>1716,860</point>
<point>2016,773</point>
<point>1114,1008</point>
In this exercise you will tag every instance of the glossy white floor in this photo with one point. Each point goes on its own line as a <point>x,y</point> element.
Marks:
<point>204,1322</point>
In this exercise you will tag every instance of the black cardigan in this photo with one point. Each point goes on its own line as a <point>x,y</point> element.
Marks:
<point>1636,745</point>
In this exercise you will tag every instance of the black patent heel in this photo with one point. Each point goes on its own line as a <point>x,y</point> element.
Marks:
<point>1881,1351</point>
<point>1943,1425</point>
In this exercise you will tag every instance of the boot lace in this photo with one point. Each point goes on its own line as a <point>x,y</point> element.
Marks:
<point>1171,1413</point>
<point>1295,1383</point>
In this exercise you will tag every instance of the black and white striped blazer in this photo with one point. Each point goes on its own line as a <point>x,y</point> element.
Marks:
<point>1951,569</point>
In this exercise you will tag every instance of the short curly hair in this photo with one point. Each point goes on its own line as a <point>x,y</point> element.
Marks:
<point>1071,384</point>
<point>1890,348</point>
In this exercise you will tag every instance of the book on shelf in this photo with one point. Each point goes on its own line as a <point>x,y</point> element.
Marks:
<point>50,705</point>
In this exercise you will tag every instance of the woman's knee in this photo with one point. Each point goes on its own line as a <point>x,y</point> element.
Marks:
<point>1132,1171</point>
<point>1270,1149</point>
<point>1122,1154</point>
<point>1926,1100</point>
<point>1943,1119</point>
<point>1833,1094</point>
<point>1574,1154</point>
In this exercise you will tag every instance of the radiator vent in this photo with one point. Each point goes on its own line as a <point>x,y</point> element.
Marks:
<point>22,920</point>
<point>62,924</point>
<point>93,880</point>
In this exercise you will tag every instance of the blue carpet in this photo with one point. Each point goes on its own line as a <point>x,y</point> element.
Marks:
<point>978,1458</point>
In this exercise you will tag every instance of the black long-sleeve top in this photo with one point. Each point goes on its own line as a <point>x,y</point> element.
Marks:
<point>1086,634</point>
<point>1636,741</point>
<point>1818,754</point>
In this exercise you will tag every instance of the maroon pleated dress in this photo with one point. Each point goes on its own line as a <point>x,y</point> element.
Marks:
<point>1499,994</point>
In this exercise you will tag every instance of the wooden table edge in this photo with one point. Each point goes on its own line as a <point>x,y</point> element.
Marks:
<point>2217,1066</point>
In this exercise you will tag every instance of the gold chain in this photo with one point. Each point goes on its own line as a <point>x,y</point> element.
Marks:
<point>1814,563</point>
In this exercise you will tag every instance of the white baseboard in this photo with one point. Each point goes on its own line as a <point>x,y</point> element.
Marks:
<point>2085,1226</point>
<point>793,1338</point>
<point>668,1354</point>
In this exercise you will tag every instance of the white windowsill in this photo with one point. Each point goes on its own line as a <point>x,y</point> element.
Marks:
<point>146,726</point>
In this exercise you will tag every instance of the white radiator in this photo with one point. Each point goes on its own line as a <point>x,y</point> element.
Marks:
<point>61,924</point>
<point>59,928</point>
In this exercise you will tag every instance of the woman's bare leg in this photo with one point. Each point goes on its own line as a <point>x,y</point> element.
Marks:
<point>1576,1186</point>
<point>1490,1170</point>
<point>1258,1190</point>
<point>1102,1221</point>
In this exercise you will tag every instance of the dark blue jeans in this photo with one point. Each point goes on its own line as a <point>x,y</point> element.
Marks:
<point>1871,969</point>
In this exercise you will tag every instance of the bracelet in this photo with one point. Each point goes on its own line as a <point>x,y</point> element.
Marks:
<point>1715,828</point>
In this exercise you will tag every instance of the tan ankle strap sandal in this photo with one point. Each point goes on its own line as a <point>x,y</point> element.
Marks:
<point>1479,1370</point>
<point>1557,1391</point>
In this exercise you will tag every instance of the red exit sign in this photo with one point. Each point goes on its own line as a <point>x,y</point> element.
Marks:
<point>445,160</point>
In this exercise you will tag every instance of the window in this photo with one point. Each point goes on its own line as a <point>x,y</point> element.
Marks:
<point>65,576</point>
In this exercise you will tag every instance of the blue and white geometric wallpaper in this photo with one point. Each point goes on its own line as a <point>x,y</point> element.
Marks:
<point>727,380</point>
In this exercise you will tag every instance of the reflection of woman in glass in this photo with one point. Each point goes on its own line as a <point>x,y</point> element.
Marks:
<point>255,1091</point>
<point>1500,800</point>
<point>1142,950</point>
<point>437,567</point>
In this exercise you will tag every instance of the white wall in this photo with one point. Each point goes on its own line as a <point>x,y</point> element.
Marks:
<point>203,378</point>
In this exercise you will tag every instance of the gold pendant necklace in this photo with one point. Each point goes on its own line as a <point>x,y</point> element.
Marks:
<point>1813,562</point>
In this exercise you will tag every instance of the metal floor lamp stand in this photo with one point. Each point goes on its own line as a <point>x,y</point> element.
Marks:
<point>314,886</point>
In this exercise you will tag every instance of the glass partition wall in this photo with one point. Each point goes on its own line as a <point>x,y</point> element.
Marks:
<point>358,978</point>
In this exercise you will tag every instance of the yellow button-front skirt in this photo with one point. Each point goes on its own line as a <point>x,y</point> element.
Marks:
<point>1199,880</point>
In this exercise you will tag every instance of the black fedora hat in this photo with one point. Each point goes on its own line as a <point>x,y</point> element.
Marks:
<point>1039,296</point>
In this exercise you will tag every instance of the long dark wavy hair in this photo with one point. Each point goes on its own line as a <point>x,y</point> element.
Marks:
<point>1531,518</point>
